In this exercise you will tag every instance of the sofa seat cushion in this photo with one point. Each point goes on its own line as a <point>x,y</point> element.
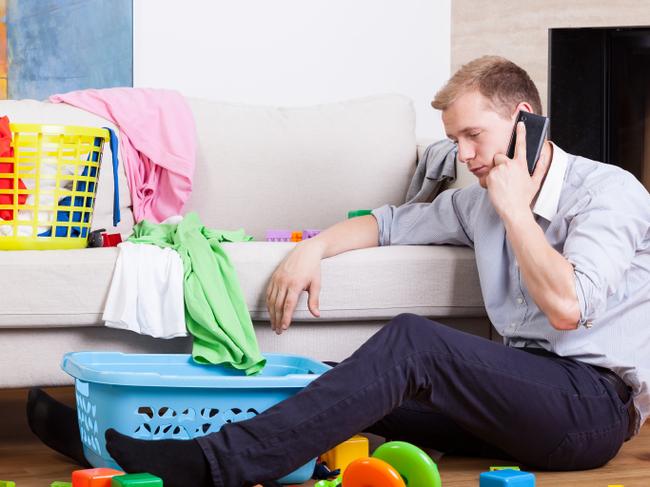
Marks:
<point>69,288</point>
<point>374,283</point>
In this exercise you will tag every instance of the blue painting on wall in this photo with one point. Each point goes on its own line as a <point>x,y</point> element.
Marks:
<point>55,46</point>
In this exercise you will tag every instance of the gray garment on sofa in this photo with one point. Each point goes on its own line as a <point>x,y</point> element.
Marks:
<point>437,167</point>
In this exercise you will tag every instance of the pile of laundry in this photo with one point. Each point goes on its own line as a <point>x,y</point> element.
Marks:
<point>172,275</point>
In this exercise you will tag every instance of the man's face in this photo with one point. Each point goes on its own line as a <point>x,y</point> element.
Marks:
<point>479,131</point>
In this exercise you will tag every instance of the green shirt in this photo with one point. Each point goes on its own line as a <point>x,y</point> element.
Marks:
<point>215,311</point>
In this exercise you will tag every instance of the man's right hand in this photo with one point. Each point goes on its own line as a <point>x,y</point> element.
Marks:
<point>299,271</point>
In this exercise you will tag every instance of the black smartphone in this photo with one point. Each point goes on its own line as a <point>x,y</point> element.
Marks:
<point>536,130</point>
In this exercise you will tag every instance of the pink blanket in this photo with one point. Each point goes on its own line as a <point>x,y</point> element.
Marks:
<point>157,143</point>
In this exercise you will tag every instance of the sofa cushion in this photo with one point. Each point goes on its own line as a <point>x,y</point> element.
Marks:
<point>69,288</point>
<point>40,112</point>
<point>260,167</point>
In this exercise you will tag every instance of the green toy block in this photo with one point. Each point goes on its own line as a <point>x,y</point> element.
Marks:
<point>492,469</point>
<point>58,483</point>
<point>7,483</point>
<point>136,480</point>
<point>330,483</point>
<point>355,213</point>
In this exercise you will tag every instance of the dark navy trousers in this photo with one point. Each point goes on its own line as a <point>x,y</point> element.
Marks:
<point>420,381</point>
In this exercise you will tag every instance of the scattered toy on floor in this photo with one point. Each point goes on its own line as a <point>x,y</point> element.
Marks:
<point>94,477</point>
<point>345,453</point>
<point>136,480</point>
<point>393,464</point>
<point>507,478</point>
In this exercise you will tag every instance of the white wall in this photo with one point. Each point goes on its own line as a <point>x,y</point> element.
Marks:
<point>295,52</point>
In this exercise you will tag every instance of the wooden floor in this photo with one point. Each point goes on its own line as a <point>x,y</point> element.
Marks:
<point>26,461</point>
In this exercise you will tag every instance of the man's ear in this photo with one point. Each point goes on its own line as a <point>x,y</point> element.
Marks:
<point>522,105</point>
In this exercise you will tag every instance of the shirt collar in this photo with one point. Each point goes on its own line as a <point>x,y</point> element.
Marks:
<point>548,197</point>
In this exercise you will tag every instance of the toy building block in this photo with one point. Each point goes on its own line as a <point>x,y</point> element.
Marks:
<point>278,235</point>
<point>296,236</point>
<point>310,233</point>
<point>7,483</point>
<point>355,213</point>
<point>137,480</point>
<point>342,455</point>
<point>507,478</point>
<point>57,483</point>
<point>94,477</point>
<point>329,483</point>
<point>111,239</point>
<point>492,469</point>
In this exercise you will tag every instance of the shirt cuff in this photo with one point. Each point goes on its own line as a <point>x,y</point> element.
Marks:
<point>584,291</point>
<point>384,216</point>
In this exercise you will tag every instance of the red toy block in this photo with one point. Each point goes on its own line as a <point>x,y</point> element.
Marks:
<point>94,477</point>
<point>111,239</point>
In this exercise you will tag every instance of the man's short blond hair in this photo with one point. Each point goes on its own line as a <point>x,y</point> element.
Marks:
<point>499,80</point>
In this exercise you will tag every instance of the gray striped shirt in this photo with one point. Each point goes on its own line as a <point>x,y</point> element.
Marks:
<point>598,217</point>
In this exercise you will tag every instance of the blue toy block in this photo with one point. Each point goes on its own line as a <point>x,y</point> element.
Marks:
<point>507,478</point>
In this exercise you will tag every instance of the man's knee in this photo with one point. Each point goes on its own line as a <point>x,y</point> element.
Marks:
<point>412,325</point>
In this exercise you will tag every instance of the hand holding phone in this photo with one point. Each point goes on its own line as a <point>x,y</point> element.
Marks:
<point>536,130</point>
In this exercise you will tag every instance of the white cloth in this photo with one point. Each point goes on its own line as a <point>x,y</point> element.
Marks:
<point>146,294</point>
<point>47,187</point>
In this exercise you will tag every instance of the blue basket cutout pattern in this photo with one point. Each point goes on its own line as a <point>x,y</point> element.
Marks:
<point>170,397</point>
<point>87,416</point>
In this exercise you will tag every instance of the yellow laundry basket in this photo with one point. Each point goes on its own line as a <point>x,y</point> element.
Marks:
<point>48,184</point>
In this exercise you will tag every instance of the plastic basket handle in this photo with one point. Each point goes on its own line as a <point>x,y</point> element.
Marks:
<point>116,186</point>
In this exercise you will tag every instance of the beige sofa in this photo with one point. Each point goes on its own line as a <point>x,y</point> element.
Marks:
<point>258,168</point>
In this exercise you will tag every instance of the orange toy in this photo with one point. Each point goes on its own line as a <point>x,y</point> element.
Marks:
<point>94,477</point>
<point>371,472</point>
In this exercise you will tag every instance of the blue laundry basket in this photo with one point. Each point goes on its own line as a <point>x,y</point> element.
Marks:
<point>159,396</point>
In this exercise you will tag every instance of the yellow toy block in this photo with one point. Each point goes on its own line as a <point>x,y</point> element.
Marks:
<point>342,455</point>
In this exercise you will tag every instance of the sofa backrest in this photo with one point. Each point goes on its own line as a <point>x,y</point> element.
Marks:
<point>261,168</point>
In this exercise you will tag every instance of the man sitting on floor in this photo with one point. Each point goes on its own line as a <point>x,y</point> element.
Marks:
<point>564,263</point>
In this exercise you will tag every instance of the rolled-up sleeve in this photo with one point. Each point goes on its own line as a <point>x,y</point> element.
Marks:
<point>603,238</point>
<point>446,220</point>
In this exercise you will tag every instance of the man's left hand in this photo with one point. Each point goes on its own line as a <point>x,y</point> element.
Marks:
<point>510,187</point>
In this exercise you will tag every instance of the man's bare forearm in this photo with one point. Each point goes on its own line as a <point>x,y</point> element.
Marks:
<point>355,233</point>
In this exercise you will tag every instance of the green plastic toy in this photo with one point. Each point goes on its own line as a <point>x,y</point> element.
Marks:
<point>413,464</point>
<point>355,213</point>
<point>330,483</point>
<point>136,480</point>
<point>492,469</point>
<point>58,483</point>
<point>7,483</point>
